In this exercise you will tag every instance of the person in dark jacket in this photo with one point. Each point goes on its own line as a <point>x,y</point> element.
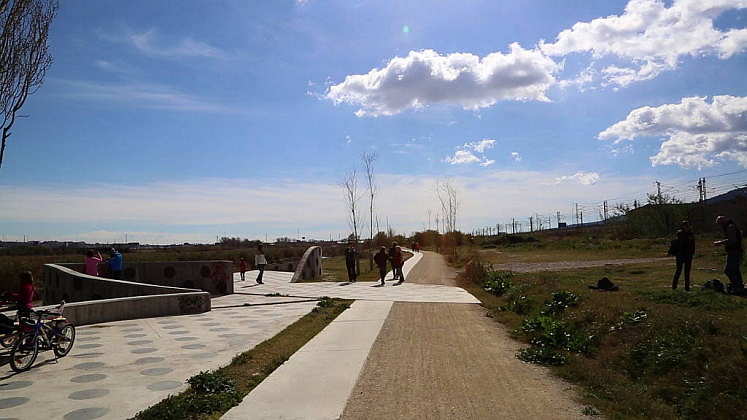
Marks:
<point>380,259</point>
<point>684,253</point>
<point>392,251</point>
<point>351,258</point>
<point>734,253</point>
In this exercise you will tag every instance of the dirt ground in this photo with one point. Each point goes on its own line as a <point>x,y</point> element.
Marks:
<point>570,265</point>
<point>447,361</point>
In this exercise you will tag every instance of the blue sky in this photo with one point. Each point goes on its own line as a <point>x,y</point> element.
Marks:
<point>239,117</point>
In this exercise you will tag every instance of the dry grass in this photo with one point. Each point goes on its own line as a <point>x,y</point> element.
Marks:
<point>686,359</point>
<point>334,269</point>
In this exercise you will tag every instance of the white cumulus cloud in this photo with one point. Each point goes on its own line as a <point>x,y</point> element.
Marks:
<point>583,178</point>
<point>426,77</point>
<point>653,37</point>
<point>698,133</point>
<point>516,156</point>
<point>472,152</point>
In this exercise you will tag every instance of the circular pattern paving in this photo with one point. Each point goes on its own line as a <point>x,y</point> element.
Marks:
<point>93,377</point>
<point>203,355</point>
<point>185,339</point>
<point>219,329</point>
<point>87,332</point>
<point>12,386</point>
<point>135,335</point>
<point>89,365</point>
<point>88,355</point>
<point>129,330</point>
<point>12,402</point>
<point>139,342</point>
<point>146,360</point>
<point>86,413</point>
<point>143,350</point>
<point>88,346</point>
<point>129,324</point>
<point>179,332</point>
<point>211,324</point>
<point>156,371</point>
<point>164,385</point>
<point>88,394</point>
<point>194,346</point>
<point>171,327</point>
<point>84,339</point>
<point>167,321</point>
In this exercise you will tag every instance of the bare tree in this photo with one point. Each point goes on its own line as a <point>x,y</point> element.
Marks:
<point>447,197</point>
<point>352,195</point>
<point>24,56</point>
<point>369,159</point>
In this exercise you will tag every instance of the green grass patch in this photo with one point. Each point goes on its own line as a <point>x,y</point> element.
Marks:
<point>642,352</point>
<point>211,394</point>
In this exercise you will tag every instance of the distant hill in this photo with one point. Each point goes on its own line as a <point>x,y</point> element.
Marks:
<point>731,195</point>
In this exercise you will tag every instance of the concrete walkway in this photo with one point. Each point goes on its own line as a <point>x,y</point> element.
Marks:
<point>279,282</point>
<point>117,369</point>
<point>316,381</point>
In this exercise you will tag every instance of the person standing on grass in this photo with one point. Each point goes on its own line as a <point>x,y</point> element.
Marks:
<point>381,258</point>
<point>351,258</point>
<point>734,253</point>
<point>684,253</point>
<point>397,262</point>
<point>116,264</point>
<point>260,262</point>
<point>242,268</point>
<point>92,263</point>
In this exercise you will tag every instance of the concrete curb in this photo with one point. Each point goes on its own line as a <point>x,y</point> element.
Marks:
<point>316,382</point>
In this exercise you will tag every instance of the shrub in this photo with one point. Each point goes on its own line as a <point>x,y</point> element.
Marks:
<point>497,282</point>
<point>542,356</point>
<point>661,351</point>
<point>520,304</point>
<point>560,301</point>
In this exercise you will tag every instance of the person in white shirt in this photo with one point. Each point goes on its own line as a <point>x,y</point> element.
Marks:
<point>260,261</point>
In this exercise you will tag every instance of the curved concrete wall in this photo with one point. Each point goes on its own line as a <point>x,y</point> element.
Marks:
<point>215,277</point>
<point>62,283</point>
<point>310,265</point>
<point>109,310</point>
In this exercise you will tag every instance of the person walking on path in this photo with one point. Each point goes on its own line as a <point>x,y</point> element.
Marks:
<point>260,262</point>
<point>242,268</point>
<point>734,253</point>
<point>392,251</point>
<point>381,258</point>
<point>684,252</point>
<point>116,264</point>
<point>92,263</point>
<point>351,258</point>
<point>397,263</point>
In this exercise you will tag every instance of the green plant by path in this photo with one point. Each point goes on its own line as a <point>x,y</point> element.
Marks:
<point>642,352</point>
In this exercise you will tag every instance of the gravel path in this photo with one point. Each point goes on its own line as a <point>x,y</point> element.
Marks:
<point>446,361</point>
<point>569,265</point>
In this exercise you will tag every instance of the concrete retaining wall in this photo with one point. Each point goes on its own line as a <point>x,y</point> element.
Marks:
<point>215,277</point>
<point>109,310</point>
<point>310,265</point>
<point>62,283</point>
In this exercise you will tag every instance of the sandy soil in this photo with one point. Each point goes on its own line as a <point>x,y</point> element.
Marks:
<point>449,361</point>
<point>569,265</point>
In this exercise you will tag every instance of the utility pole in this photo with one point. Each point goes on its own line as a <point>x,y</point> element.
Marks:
<point>577,213</point>
<point>531,224</point>
<point>581,215</point>
<point>605,210</point>
<point>658,192</point>
<point>513,225</point>
<point>558,216</point>
<point>705,190</point>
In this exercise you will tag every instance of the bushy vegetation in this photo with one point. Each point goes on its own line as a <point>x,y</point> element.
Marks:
<point>644,351</point>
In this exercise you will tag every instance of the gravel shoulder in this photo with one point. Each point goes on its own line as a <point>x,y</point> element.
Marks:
<point>445,361</point>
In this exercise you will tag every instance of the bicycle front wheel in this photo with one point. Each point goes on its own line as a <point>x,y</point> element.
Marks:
<point>64,340</point>
<point>24,352</point>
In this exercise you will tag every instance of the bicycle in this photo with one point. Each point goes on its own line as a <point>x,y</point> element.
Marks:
<point>8,328</point>
<point>50,330</point>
